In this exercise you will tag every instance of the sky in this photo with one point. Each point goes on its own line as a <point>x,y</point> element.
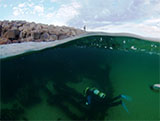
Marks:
<point>140,17</point>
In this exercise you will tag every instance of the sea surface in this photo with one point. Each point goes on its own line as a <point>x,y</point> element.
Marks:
<point>49,84</point>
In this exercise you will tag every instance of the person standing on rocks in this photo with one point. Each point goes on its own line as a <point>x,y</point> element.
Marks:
<point>84,27</point>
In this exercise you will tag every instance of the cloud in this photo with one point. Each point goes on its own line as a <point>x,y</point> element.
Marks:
<point>5,5</point>
<point>27,9</point>
<point>21,5</point>
<point>50,15</point>
<point>18,11</point>
<point>38,9</point>
<point>53,0</point>
<point>65,13</point>
<point>114,11</point>
<point>119,15</point>
<point>113,15</point>
<point>148,28</point>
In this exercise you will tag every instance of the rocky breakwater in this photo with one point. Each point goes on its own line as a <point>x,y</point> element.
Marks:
<point>22,31</point>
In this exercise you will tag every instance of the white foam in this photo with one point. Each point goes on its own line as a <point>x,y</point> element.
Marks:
<point>20,48</point>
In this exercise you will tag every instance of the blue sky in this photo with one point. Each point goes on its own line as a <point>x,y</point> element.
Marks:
<point>134,16</point>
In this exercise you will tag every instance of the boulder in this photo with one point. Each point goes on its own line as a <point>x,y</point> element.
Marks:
<point>73,33</point>
<point>62,36</point>
<point>38,27</point>
<point>4,41</point>
<point>13,28</point>
<point>29,34</point>
<point>12,34</point>
<point>21,28</point>
<point>44,36</point>
<point>15,41</point>
<point>0,30</point>
<point>29,39</point>
<point>32,26</point>
<point>6,25</point>
<point>53,37</point>
<point>22,40</point>
<point>36,35</point>
<point>22,34</point>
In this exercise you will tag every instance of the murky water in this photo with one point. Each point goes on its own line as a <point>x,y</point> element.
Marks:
<point>49,84</point>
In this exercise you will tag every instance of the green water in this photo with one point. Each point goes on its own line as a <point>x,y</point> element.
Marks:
<point>27,80</point>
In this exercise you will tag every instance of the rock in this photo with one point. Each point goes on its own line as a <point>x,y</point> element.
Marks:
<point>0,30</point>
<point>6,25</point>
<point>78,31</point>
<point>36,35</point>
<point>32,26</point>
<point>21,28</point>
<point>4,41</point>
<point>44,36</point>
<point>62,36</point>
<point>22,40</point>
<point>14,28</point>
<point>29,34</point>
<point>73,33</point>
<point>21,31</point>
<point>38,27</point>
<point>22,34</point>
<point>29,39</point>
<point>53,37</point>
<point>15,41</point>
<point>12,34</point>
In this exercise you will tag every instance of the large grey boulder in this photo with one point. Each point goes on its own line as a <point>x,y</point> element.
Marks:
<point>12,34</point>
<point>36,35</point>
<point>44,36</point>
